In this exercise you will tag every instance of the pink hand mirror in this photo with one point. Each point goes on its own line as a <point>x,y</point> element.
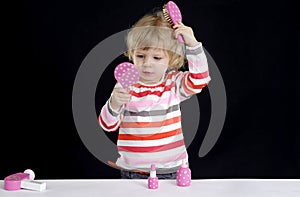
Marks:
<point>126,74</point>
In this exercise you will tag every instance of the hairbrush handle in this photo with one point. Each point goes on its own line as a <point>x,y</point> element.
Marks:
<point>180,39</point>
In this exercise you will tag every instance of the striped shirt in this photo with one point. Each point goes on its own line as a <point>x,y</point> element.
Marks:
<point>149,124</point>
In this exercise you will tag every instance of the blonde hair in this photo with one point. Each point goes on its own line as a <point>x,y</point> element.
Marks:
<point>154,31</point>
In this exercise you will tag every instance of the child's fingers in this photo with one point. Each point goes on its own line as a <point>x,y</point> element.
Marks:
<point>121,96</point>
<point>120,90</point>
<point>179,24</point>
<point>179,31</point>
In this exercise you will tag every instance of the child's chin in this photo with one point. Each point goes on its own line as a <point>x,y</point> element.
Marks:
<point>148,81</point>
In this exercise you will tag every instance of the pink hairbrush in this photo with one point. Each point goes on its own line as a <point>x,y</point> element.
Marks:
<point>172,14</point>
<point>126,74</point>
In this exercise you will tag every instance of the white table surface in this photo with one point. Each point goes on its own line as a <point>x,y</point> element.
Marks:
<point>138,188</point>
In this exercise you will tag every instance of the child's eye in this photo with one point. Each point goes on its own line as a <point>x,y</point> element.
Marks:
<point>140,56</point>
<point>157,58</point>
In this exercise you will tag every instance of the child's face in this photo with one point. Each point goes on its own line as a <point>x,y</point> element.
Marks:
<point>152,64</point>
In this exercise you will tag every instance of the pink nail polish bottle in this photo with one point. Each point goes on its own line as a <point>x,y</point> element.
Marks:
<point>183,175</point>
<point>152,179</point>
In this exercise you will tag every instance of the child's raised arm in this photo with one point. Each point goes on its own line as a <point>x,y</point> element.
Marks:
<point>197,77</point>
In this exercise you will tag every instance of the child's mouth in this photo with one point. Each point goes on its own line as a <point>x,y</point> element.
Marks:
<point>147,73</point>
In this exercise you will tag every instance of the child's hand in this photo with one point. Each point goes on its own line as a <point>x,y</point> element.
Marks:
<point>119,97</point>
<point>187,33</point>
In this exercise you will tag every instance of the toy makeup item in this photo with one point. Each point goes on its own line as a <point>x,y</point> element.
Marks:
<point>23,180</point>
<point>153,179</point>
<point>173,15</point>
<point>126,74</point>
<point>183,175</point>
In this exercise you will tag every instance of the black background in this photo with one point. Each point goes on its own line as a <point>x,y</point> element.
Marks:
<point>254,43</point>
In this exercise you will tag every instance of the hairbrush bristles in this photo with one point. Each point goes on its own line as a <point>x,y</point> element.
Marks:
<point>166,15</point>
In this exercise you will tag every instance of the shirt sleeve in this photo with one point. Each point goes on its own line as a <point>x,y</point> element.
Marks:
<point>193,81</point>
<point>110,119</point>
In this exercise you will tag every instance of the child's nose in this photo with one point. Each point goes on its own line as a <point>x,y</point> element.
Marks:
<point>147,61</point>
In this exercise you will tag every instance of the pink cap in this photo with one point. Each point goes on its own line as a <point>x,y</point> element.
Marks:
<point>152,167</point>
<point>184,164</point>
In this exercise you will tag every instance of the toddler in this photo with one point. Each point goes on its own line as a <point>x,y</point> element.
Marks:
<point>148,116</point>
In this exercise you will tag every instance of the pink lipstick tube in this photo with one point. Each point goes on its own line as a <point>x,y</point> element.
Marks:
<point>152,179</point>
